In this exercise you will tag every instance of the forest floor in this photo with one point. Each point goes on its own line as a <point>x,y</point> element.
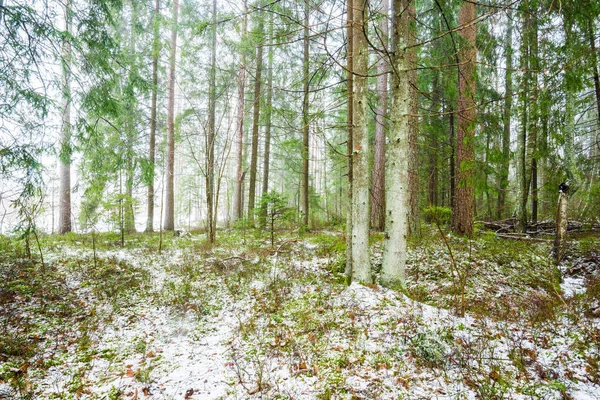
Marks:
<point>245,320</point>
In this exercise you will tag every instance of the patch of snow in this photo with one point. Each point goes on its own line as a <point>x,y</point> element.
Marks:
<point>573,285</point>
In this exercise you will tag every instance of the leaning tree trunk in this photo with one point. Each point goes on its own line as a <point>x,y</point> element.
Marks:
<point>64,210</point>
<point>255,126</point>
<point>398,153</point>
<point>152,146</point>
<point>465,139</point>
<point>378,189</point>
<point>238,203</point>
<point>169,223</point>
<point>361,265</point>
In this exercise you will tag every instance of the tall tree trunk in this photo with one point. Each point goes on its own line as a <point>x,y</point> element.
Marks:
<point>238,193</point>
<point>305,120</point>
<point>570,113</point>
<point>595,74</point>
<point>508,92</point>
<point>398,153</point>
<point>131,106</point>
<point>432,151</point>
<point>169,223</point>
<point>361,265</point>
<point>350,129</point>
<point>268,115</point>
<point>255,124</point>
<point>532,153</point>
<point>414,224</point>
<point>524,172</point>
<point>378,189</point>
<point>452,161</point>
<point>465,143</point>
<point>153,107</point>
<point>64,211</point>
<point>210,145</point>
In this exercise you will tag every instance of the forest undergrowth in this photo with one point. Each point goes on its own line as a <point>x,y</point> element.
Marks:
<point>485,318</point>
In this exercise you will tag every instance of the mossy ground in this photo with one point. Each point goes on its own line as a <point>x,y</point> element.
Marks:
<point>98,320</point>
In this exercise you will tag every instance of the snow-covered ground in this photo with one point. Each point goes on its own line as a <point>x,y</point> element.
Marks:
<point>240,325</point>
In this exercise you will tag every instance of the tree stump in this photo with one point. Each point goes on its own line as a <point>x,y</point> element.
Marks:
<point>560,240</point>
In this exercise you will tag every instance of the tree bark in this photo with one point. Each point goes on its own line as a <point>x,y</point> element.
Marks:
<point>398,153</point>
<point>361,266</point>
<point>238,203</point>
<point>595,74</point>
<point>169,223</point>
<point>255,125</point>
<point>378,189</point>
<point>465,143</point>
<point>267,116</point>
<point>350,129</point>
<point>210,145</point>
<point>153,107</point>
<point>508,92</point>
<point>532,151</point>
<point>524,170</point>
<point>64,211</point>
<point>305,120</point>
<point>130,117</point>
<point>414,224</point>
